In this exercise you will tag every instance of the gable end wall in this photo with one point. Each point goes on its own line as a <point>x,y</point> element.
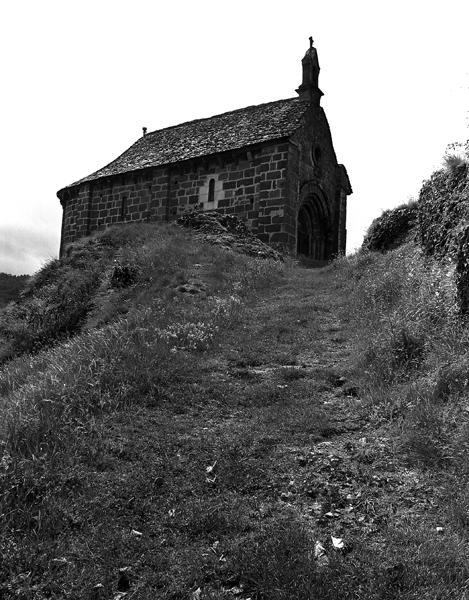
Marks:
<point>324,178</point>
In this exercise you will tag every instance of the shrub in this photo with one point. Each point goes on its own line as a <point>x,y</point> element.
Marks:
<point>392,229</point>
<point>454,162</point>
<point>443,212</point>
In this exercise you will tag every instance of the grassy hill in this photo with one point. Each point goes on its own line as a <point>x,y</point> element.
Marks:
<point>10,287</point>
<point>182,421</point>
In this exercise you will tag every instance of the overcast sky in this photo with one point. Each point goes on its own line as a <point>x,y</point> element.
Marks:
<point>80,78</point>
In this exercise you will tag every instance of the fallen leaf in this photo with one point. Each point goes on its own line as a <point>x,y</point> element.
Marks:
<point>210,468</point>
<point>136,533</point>
<point>337,542</point>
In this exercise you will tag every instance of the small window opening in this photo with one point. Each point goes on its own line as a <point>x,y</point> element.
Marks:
<point>124,207</point>
<point>316,155</point>
<point>211,190</point>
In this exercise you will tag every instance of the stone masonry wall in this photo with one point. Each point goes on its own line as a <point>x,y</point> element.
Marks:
<point>251,184</point>
<point>323,174</point>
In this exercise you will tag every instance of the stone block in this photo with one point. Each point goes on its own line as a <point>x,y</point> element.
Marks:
<point>275,194</point>
<point>280,238</point>
<point>244,182</point>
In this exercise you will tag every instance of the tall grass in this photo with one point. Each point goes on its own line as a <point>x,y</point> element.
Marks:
<point>405,310</point>
<point>411,364</point>
<point>412,351</point>
<point>138,333</point>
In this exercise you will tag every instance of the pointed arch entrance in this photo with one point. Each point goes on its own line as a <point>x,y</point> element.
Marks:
<point>313,228</point>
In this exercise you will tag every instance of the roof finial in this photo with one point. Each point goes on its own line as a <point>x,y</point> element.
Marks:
<point>309,89</point>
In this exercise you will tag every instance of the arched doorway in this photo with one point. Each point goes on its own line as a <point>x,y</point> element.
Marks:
<point>313,230</point>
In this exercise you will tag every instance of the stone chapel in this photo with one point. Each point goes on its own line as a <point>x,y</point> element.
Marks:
<point>273,165</point>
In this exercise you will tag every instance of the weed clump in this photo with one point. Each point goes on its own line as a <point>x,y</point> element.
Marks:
<point>454,162</point>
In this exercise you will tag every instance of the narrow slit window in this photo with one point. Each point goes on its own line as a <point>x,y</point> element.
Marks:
<point>124,207</point>
<point>211,190</point>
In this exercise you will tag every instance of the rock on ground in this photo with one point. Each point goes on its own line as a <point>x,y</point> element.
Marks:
<point>227,231</point>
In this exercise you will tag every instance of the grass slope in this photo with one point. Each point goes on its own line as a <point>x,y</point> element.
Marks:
<point>208,445</point>
<point>10,287</point>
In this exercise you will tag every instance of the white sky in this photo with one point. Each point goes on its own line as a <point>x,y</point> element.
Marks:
<point>80,78</point>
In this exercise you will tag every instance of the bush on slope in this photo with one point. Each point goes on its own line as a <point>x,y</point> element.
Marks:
<point>392,228</point>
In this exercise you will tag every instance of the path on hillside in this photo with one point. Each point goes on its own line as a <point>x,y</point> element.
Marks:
<point>267,423</point>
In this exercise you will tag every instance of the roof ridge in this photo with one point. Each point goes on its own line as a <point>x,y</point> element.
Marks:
<point>225,131</point>
<point>228,112</point>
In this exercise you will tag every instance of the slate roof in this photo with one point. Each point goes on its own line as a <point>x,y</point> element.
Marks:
<point>228,131</point>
